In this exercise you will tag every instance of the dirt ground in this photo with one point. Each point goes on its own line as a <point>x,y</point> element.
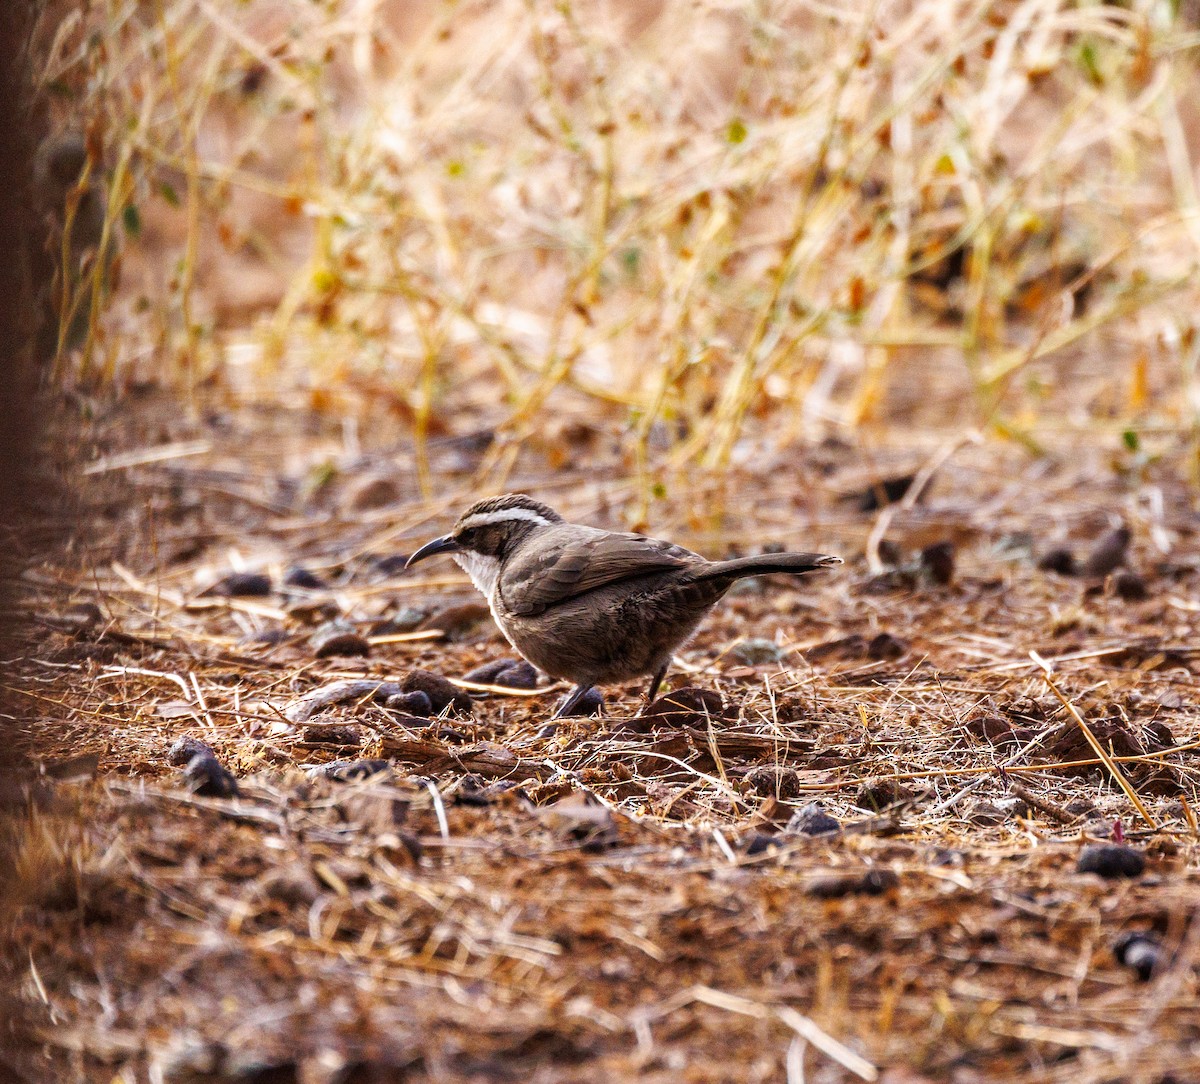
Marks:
<point>911,283</point>
<point>615,899</point>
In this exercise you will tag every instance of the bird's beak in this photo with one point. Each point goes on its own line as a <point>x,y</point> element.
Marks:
<point>445,544</point>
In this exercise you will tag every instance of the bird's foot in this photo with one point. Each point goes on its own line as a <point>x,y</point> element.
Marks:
<point>583,700</point>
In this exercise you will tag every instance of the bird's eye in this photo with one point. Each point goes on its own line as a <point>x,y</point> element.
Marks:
<point>465,537</point>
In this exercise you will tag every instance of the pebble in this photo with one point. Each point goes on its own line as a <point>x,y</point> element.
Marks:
<point>759,842</point>
<point>756,652</point>
<point>185,749</point>
<point>774,781</point>
<point>241,585</point>
<point>998,730</point>
<point>206,776</point>
<point>414,703</point>
<point>1060,560</point>
<point>812,820</point>
<point>338,638</point>
<point>81,617</point>
<point>1140,952</point>
<point>885,491</point>
<point>886,646</point>
<point>1129,586</point>
<point>372,492</point>
<point>405,619</point>
<point>689,706</point>
<point>390,564</point>
<point>297,576</point>
<point>874,882</point>
<point>890,552</point>
<point>507,673</point>
<point>442,693</point>
<point>304,708</point>
<point>342,771</point>
<point>937,562</point>
<point>342,735</point>
<point>1111,860</point>
<point>459,622</point>
<point>878,794</point>
<point>591,704</point>
<point>1108,554</point>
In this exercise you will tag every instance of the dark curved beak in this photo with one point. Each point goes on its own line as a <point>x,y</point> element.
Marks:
<point>445,544</point>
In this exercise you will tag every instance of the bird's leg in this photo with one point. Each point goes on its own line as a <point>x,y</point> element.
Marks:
<point>655,682</point>
<point>572,701</point>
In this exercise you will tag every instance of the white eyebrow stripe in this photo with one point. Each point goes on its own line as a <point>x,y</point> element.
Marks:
<point>504,515</point>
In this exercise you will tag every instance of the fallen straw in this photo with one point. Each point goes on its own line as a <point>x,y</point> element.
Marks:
<point>1109,763</point>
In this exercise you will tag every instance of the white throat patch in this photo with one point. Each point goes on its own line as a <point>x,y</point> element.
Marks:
<point>483,569</point>
<point>504,515</point>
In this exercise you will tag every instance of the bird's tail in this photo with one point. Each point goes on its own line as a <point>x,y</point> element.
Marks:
<point>764,564</point>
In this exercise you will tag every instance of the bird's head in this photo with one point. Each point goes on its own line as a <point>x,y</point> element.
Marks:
<point>487,532</point>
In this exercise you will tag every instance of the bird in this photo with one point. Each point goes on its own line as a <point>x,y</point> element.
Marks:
<point>589,606</point>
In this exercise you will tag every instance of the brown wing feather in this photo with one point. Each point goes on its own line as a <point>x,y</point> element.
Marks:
<point>562,569</point>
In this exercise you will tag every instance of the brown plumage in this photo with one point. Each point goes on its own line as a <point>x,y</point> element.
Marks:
<point>587,605</point>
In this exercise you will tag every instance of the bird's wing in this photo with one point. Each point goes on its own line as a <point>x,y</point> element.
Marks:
<point>555,572</point>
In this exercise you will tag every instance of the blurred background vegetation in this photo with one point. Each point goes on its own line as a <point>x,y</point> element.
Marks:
<point>700,233</point>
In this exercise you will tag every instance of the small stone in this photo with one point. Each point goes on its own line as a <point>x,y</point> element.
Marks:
<point>423,722</point>
<point>985,813</point>
<point>186,749</point>
<point>460,622</point>
<point>241,585</point>
<point>937,562</point>
<point>890,552</point>
<point>1157,736</point>
<point>1012,807</point>
<point>689,706</point>
<point>490,671</point>
<point>343,771</point>
<point>1140,952</point>
<point>338,638</point>
<point>338,692</point>
<point>268,637</point>
<point>875,882</point>
<point>313,610</point>
<point>206,776</point>
<point>442,693</point>
<point>414,703</point>
<point>886,646</point>
<point>756,652</point>
<point>1111,860</point>
<point>291,884</point>
<point>81,617</point>
<point>1059,560</point>
<point>296,576</point>
<point>883,492</point>
<point>521,675</point>
<point>877,794</point>
<point>342,735</point>
<point>998,731</point>
<point>405,619</point>
<point>812,820</point>
<point>376,491</point>
<point>390,564</point>
<point>759,842</point>
<point>472,791</point>
<point>1108,554</point>
<point>506,673</point>
<point>1129,586</point>
<point>774,781</point>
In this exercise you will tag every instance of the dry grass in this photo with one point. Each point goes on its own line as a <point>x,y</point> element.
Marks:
<point>707,267</point>
<point>706,226</point>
